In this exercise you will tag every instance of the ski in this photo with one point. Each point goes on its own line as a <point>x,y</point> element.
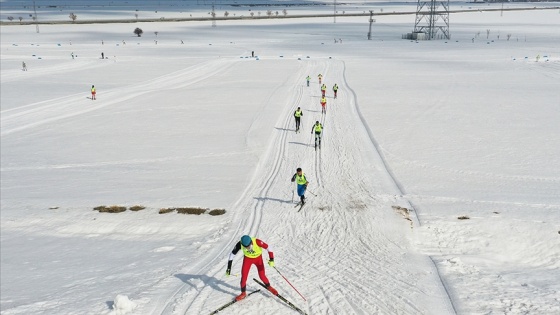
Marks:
<point>301,207</point>
<point>221,308</point>
<point>297,204</point>
<point>295,308</point>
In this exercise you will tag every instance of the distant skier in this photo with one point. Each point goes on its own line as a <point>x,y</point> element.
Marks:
<point>93,92</point>
<point>102,56</point>
<point>308,79</point>
<point>252,250</point>
<point>323,90</point>
<point>320,76</point>
<point>301,181</point>
<point>335,89</point>
<point>323,105</point>
<point>318,129</point>
<point>297,115</point>
<point>23,66</point>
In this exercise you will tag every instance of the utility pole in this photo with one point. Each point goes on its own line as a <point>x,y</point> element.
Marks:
<point>36,19</point>
<point>334,15</point>
<point>213,16</point>
<point>371,21</point>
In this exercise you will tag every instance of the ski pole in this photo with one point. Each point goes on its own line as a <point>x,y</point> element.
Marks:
<point>311,193</point>
<point>292,196</point>
<point>289,283</point>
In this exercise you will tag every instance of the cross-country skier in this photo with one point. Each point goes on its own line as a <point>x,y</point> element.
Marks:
<point>297,114</point>
<point>23,66</point>
<point>323,105</point>
<point>308,79</point>
<point>93,92</point>
<point>335,89</point>
<point>252,250</point>
<point>320,76</point>
<point>323,90</point>
<point>301,181</point>
<point>318,129</point>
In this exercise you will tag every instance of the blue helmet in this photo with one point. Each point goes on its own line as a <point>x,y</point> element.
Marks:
<point>246,240</point>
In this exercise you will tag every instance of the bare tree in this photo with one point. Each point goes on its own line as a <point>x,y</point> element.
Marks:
<point>285,12</point>
<point>252,14</point>
<point>20,19</point>
<point>276,13</point>
<point>136,15</point>
<point>10,18</point>
<point>73,17</point>
<point>156,32</point>
<point>487,33</point>
<point>138,31</point>
<point>508,36</point>
<point>226,14</point>
<point>269,13</point>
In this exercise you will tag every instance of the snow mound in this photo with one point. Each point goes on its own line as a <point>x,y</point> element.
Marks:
<point>122,305</point>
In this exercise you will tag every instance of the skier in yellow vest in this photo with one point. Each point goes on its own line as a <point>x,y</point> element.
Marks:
<point>323,90</point>
<point>320,76</point>
<point>302,183</point>
<point>308,79</point>
<point>335,89</point>
<point>297,114</point>
<point>318,129</point>
<point>93,92</point>
<point>252,250</point>
<point>323,105</point>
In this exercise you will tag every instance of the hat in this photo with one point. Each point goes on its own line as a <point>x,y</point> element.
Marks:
<point>246,240</point>
<point>298,169</point>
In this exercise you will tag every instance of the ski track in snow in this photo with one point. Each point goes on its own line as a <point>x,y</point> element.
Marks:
<point>266,204</point>
<point>40,113</point>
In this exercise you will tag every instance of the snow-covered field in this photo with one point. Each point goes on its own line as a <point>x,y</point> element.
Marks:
<point>430,131</point>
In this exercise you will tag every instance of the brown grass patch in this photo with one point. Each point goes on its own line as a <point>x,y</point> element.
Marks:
<point>166,210</point>
<point>463,217</point>
<point>110,209</point>
<point>217,212</point>
<point>136,208</point>
<point>188,210</point>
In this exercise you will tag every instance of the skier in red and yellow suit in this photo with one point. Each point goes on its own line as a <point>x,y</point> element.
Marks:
<point>252,249</point>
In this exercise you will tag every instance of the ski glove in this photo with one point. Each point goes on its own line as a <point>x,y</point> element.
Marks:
<point>228,270</point>
<point>271,263</point>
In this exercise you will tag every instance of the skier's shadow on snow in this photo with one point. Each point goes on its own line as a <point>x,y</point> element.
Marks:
<point>284,129</point>
<point>301,143</point>
<point>272,199</point>
<point>210,281</point>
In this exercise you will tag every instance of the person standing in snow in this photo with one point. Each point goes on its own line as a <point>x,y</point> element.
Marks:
<point>93,92</point>
<point>323,90</point>
<point>301,181</point>
<point>308,79</point>
<point>320,76</point>
<point>335,89</point>
<point>24,66</point>
<point>297,114</point>
<point>252,250</point>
